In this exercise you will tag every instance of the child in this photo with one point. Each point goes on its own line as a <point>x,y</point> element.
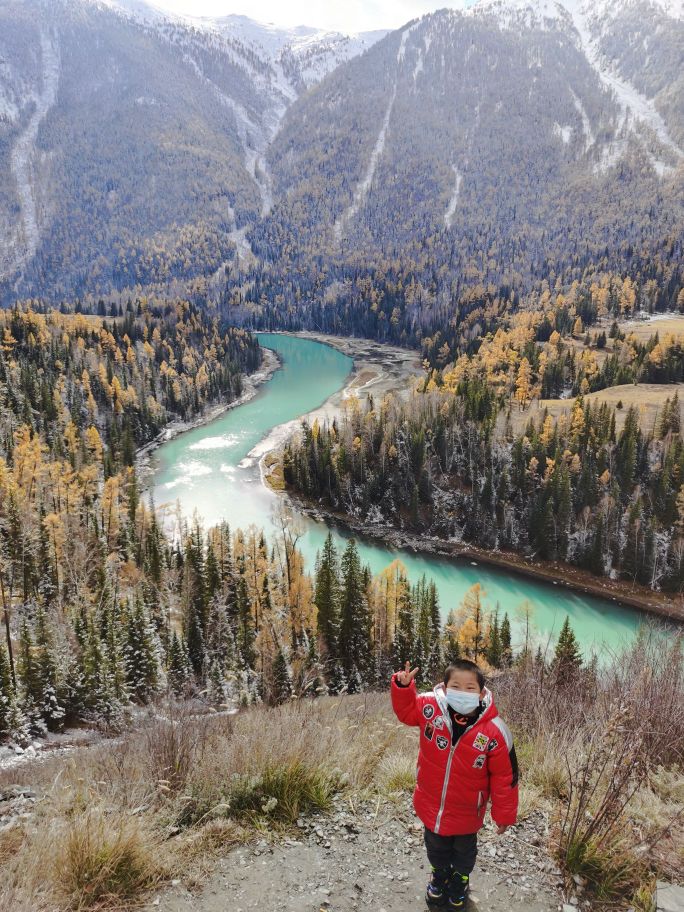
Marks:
<point>466,754</point>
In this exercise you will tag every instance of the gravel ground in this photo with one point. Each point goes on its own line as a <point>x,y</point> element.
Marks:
<point>370,856</point>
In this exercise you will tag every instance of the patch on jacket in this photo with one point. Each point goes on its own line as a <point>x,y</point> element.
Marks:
<point>479,762</point>
<point>481,741</point>
<point>442,742</point>
<point>439,722</point>
<point>493,744</point>
<point>429,730</point>
<point>428,711</point>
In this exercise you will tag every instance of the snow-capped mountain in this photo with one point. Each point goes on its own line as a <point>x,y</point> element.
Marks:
<point>86,85</point>
<point>137,146</point>
<point>519,136</point>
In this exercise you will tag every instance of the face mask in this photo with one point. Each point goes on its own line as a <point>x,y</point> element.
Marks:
<point>462,702</point>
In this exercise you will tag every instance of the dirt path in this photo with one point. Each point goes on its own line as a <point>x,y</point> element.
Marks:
<point>369,857</point>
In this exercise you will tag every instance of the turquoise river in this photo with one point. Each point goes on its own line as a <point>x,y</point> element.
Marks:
<point>213,471</point>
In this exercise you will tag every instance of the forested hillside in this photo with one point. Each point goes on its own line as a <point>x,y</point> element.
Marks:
<point>308,178</point>
<point>102,611</point>
<point>490,152</point>
<point>132,144</point>
<point>460,460</point>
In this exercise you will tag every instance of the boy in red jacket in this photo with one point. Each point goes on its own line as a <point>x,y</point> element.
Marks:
<point>466,756</point>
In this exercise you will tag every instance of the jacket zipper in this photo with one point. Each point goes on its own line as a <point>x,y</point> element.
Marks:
<point>445,787</point>
<point>452,750</point>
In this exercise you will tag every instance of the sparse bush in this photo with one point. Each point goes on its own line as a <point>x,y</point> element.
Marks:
<point>174,741</point>
<point>397,772</point>
<point>283,791</point>
<point>607,865</point>
<point>105,863</point>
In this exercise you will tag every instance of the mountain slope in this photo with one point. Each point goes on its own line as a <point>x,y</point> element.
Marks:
<point>132,144</point>
<point>514,141</point>
<point>500,140</point>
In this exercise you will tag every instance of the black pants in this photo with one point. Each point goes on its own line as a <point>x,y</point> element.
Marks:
<point>456,852</point>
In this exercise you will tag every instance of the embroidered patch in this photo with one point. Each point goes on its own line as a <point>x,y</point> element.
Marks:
<point>492,744</point>
<point>429,730</point>
<point>479,762</point>
<point>439,722</point>
<point>428,711</point>
<point>442,742</point>
<point>481,742</point>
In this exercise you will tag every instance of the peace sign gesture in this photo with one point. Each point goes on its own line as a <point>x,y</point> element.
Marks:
<point>406,676</point>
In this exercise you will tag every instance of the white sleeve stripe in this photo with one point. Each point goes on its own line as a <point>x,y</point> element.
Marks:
<point>505,731</point>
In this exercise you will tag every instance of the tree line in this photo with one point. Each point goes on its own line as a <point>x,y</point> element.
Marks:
<point>572,489</point>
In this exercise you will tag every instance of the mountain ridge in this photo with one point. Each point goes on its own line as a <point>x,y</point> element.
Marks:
<point>288,145</point>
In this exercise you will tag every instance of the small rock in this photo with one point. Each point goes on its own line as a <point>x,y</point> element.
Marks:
<point>669,897</point>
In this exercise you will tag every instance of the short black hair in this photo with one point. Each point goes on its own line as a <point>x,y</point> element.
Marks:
<point>464,665</point>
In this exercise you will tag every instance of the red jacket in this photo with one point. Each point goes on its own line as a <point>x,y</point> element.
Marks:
<point>454,783</point>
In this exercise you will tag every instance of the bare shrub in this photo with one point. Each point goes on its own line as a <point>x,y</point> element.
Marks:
<point>175,739</point>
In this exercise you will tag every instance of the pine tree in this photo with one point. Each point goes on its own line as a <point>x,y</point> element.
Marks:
<point>452,647</point>
<point>51,708</point>
<point>179,667</point>
<point>354,639</point>
<point>7,695</point>
<point>327,596</point>
<point>405,648</point>
<point>567,659</point>
<point>282,685</point>
<point>435,659</point>
<point>505,638</point>
<point>246,631</point>
<point>141,654</point>
<point>494,651</point>
<point>96,691</point>
<point>28,671</point>
<point>196,601</point>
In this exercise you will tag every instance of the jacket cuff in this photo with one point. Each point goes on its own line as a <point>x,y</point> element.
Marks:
<point>505,819</point>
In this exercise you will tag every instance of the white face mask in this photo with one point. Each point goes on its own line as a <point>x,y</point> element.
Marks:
<point>462,701</point>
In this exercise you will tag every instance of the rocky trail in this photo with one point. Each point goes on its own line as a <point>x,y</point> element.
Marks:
<point>370,857</point>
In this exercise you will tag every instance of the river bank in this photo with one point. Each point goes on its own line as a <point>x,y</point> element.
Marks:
<point>654,603</point>
<point>378,370</point>
<point>250,387</point>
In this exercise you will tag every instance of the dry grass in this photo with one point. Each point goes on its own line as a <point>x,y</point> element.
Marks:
<point>181,791</point>
<point>665,325</point>
<point>397,772</point>
<point>649,399</point>
<point>102,862</point>
<point>11,841</point>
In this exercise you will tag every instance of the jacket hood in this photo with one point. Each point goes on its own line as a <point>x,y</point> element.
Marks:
<point>488,701</point>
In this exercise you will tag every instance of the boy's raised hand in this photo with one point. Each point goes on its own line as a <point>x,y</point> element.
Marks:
<point>406,676</point>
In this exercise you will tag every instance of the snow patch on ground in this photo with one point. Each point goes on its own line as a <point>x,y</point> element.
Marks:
<point>24,151</point>
<point>563,132</point>
<point>364,186</point>
<point>635,107</point>
<point>453,202</point>
<point>589,137</point>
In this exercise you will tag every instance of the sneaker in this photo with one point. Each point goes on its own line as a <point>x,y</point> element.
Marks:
<point>458,890</point>
<point>437,888</point>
